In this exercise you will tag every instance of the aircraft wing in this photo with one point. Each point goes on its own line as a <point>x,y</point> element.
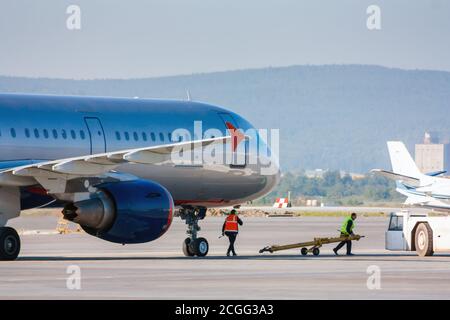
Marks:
<point>416,200</point>
<point>427,202</point>
<point>96,164</point>
<point>436,173</point>
<point>414,182</point>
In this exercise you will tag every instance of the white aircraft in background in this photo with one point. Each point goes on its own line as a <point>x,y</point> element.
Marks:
<point>423,190</point>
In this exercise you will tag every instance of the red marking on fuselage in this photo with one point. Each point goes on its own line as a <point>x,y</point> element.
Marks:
<point>37,190</point>
<point>236,135</point>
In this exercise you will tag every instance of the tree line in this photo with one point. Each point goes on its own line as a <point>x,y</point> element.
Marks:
<point>334,188</point>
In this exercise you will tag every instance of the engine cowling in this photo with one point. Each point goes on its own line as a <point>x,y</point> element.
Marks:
<point>124,212</point>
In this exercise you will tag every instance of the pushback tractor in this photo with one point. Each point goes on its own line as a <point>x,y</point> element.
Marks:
<point>418,232</point>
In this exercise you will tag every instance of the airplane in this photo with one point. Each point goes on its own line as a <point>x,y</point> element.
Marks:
<point>119,170</point>
<point>422,190</point>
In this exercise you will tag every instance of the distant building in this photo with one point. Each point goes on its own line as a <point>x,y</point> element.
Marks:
<point>432,156</point>
<point>317,173</point>
<point>431,138</point>
<point>357,176</point>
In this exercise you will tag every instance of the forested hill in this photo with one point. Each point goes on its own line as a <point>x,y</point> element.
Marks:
<point>335,117</point>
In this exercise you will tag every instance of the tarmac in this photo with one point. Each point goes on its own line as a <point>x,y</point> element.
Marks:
<point>158,270</point>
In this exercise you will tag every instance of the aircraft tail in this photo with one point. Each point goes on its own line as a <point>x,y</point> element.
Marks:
<point>402,162</point>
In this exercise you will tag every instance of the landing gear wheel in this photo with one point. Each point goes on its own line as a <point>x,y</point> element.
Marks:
<point>9,244</point>
<point>304,251</point>
<point>194,246</point>
<point>187,248</point>
<point>316,251</point>
<point>200,247</point>
<point>424,240</point>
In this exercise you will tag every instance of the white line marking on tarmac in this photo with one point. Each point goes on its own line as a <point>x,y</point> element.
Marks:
<point>37,232</point>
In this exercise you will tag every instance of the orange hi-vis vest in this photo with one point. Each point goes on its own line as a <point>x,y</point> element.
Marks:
<point>231,223</point>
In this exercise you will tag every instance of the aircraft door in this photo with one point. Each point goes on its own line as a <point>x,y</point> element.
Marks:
<point>96,135</point>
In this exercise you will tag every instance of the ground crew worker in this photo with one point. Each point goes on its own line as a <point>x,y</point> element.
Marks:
<point>230,228</point>
<point>347,230</point>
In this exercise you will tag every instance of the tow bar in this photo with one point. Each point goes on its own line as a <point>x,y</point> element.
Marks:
<point>314,245</point>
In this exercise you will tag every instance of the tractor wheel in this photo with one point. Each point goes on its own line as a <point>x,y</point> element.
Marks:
<point>424,240</point>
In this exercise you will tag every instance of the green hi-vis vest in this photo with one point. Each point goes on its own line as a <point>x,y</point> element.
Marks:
<point>344,225</point>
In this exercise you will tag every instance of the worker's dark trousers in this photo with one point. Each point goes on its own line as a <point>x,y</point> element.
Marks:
<point>232,237</point>
<point>348,243</point>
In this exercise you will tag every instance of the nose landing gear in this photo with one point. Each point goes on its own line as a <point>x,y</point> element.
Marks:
<point>193,246</point>
<point>9,243</point>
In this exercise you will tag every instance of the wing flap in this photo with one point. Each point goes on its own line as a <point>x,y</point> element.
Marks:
<point>146,157</point>
<point>105,160</point>
<point>82,167</point>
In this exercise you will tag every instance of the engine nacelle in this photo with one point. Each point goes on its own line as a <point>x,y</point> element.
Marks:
<point>124,212</point>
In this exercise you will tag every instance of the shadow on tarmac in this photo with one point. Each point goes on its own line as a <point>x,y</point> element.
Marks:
<point>262,257</point>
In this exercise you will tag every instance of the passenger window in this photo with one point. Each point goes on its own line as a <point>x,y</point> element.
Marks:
<point>55,133</point>
<point>13,132</point>
<point>135,136</point>
<point>152,135</point>
<point>144,136</point>
<point>161,136</point>
<point>169,135</point>
<point>127,136</point>
<point>64,134</point>
<point>45,133</point>
<point>117,135</point>
<point>73,134</point>
<point>82,135</point>
<point>27,133</point>
<point>36,133</point>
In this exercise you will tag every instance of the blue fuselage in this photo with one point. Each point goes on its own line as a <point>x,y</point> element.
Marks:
<point>39,127</point>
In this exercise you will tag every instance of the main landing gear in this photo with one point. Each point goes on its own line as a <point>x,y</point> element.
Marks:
<point>193,246</point>
<point>9,244</point>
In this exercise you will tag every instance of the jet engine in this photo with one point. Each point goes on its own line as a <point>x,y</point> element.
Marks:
<point>124,212</point>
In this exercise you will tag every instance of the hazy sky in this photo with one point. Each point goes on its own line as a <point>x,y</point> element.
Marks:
<point>147,38</point>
